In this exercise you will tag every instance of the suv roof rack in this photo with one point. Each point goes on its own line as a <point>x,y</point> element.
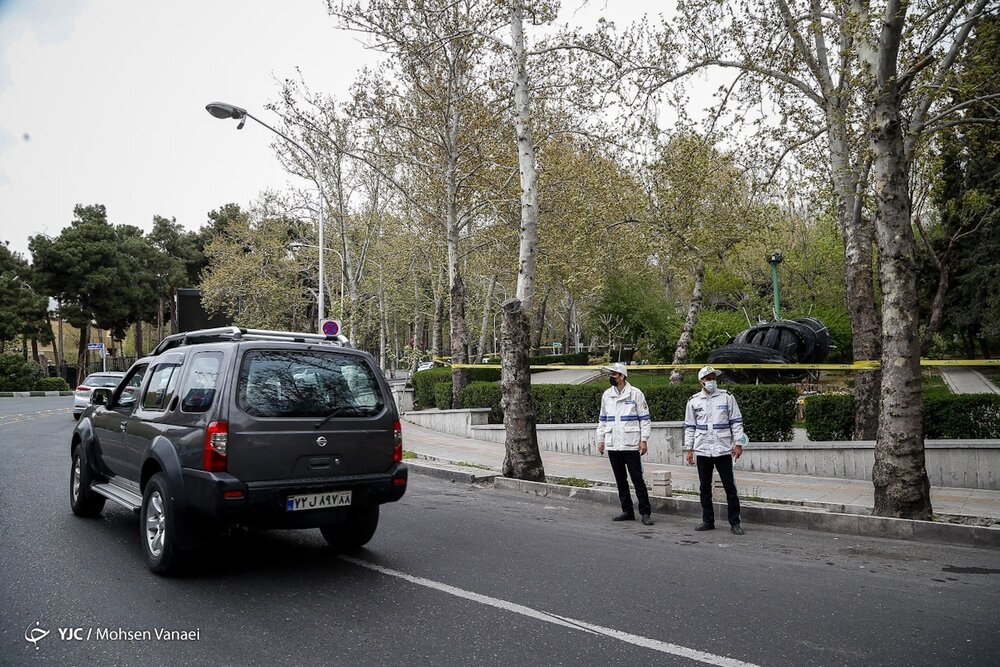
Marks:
<point>239,334</point>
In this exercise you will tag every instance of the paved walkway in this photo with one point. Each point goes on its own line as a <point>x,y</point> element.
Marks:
<point>855,494</point>
<point>565,376</point>
<point>964,380</point>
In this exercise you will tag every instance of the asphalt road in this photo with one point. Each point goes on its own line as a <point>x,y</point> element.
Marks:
<point>459,575</point>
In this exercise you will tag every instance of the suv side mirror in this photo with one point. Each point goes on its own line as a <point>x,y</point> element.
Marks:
<point>101,396</point>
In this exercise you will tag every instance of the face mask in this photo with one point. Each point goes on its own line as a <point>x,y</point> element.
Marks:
<point>612,382</point>
<point>711,385</point>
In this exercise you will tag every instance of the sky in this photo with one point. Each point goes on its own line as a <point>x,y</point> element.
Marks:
<point>103,102</point>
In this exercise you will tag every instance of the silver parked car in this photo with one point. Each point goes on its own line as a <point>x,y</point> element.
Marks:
<point>81,397</point>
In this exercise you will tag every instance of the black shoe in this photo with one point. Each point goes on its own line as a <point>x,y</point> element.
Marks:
<point>736,529</point>
<point>647,520</point>
<point>624,516</point>
<point>705,526</point>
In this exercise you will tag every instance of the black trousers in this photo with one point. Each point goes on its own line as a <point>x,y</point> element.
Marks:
<point>630,461</point>
<point>724,464</point>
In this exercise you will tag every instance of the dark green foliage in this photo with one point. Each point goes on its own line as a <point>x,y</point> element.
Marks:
<point>483,395</point>
<point>574,359</point>
<point>966,416</point>
<point>713,329</point>
<point>23,311</point>
<point>768,410</point>
<point>51,384</point>
<point>442,395</point>
<point>967,199</point>
<point>830,417</point>
<point>637,305</point>
<point>667,402</point>
<point>423,383</point>
<point>16,374</point>
<point>567,403</point>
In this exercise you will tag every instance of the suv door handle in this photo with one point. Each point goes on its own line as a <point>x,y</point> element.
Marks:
<point>121,426</point>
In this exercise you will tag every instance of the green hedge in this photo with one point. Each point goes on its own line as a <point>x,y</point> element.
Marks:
<point>574,359</point>
<point>484,395</point>
<point>968,416</point>
<point>16,374</point>
<point>442,395</point>
<point>424,381</point>
<point>962,416</point>
<point>830,417</point>
<point>51,384</point>
<point>768,410</point>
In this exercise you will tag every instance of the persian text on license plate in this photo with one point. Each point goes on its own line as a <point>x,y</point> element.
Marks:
<point>315,501</point>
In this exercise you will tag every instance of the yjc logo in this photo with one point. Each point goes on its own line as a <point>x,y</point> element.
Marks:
<point>35,634</point>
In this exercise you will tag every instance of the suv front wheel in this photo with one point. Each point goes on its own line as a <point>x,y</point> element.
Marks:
<point>82,500</point>
<point>158,527</point>
<point>355,531</point>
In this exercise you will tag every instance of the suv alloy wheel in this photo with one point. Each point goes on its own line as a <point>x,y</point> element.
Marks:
<point>158,527</point>
<point>82,500</point>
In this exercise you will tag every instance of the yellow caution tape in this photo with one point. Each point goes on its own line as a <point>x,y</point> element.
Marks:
<point>866,365</point>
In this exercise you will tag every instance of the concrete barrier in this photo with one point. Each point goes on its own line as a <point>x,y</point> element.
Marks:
<point>453,422</point>
<point>967,464</point>
<point>402,396</point>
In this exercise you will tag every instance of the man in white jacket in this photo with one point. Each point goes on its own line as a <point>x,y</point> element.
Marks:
<point>713,429</point>
<point>623,430</point>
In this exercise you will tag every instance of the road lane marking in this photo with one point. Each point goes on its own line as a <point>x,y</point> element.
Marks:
<point>28,416</point>
<point>636,640</point>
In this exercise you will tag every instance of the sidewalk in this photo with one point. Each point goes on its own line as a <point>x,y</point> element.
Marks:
<point>963,380</point>
<point>854,495</point>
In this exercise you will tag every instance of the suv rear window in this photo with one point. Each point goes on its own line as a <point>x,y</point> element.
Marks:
<point>298,383</point>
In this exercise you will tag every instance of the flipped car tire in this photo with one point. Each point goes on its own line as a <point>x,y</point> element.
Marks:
<point>159,527</point>
<point>355,531</point>
<point>82,500</point>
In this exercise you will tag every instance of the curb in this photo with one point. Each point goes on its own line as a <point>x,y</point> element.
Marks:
<point>809,518</point>
<point>33,394</point>
<point>451,472</point>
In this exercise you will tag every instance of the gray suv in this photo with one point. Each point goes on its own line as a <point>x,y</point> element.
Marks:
<point>239,427</point>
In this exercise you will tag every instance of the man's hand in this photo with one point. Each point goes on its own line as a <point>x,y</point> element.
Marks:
<point>737,452</point>
<point>642,448</point>
<point>690,457</point>
<point>600,447</point>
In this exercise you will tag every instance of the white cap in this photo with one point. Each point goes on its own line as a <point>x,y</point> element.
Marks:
<point>707,370</point>
<point>616,368</point>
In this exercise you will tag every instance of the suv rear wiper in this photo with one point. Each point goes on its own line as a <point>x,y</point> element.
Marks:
<point>337,412</point>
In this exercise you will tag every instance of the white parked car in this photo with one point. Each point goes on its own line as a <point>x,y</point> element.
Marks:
<point>425,365</point>
<point>81,397</point>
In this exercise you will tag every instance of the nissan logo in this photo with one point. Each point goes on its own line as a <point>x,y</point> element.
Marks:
<point>321,441</point>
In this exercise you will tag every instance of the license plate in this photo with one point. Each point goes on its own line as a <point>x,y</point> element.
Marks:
<point>315,501</point>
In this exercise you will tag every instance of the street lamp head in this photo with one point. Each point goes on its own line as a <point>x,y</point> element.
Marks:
<point>223,110</point>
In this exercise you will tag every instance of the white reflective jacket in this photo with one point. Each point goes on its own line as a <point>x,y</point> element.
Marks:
<point>712,423</point>
<point>624,419</point>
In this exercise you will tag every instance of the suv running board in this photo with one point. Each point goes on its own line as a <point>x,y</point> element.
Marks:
<point>132,501</point>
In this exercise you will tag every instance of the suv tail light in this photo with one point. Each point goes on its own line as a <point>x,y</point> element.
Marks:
<point>216,439</point>
<point>83,387</point>
<point>397,450</point>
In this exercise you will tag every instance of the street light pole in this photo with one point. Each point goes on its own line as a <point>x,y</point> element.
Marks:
<point>295,245</point>
<point>223,110</point>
